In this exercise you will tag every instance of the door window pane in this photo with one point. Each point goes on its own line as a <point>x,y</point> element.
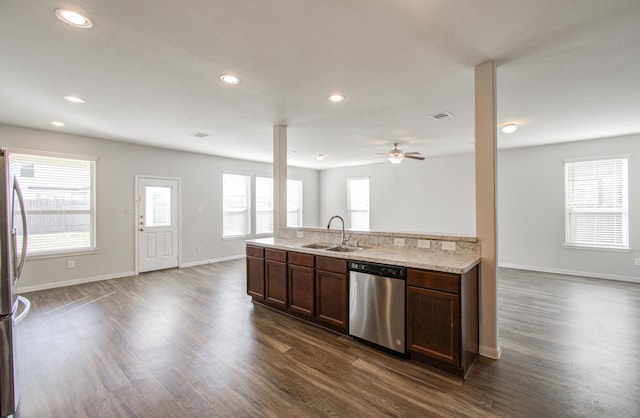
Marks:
<point>157,206</point>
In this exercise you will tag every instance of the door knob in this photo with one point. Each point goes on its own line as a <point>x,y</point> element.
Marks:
<point>141,229</point>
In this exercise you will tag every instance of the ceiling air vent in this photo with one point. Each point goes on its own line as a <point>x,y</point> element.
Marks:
<point>199,134</point>
<point>442,115</point>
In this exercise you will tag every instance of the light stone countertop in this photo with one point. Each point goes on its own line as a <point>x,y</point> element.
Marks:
<point>415,258</point>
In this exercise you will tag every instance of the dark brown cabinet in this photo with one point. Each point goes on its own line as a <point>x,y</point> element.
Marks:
<point>442,308</point>
<point>255,272</point>
<point>301,284</point>
<point>275,278</point>
<point>332,293</point>
<point>442,319</point>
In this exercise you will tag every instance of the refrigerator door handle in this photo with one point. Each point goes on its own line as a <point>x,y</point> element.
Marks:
<point>23,214</point>
<point>25,312</point>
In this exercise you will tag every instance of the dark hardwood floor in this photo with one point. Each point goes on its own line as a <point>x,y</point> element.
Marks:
<point>189,343</point>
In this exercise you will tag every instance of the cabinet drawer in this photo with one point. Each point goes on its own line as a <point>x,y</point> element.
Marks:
<point>255,251</point>
<point>300,259</point>
<point>275,255</point>
<point>444,282</point>
<point>336,265</point>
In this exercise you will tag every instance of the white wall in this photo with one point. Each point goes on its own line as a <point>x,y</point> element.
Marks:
<point>117,165</point>
<point>531,210</point>
<point>436,195</point>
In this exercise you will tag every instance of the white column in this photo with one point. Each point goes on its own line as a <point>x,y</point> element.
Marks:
<point>485,143</point>
<point>279,177</point>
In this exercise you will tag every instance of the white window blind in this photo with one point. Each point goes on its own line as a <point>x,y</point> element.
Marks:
<point>294,202</point>
<point>236,205</point>
<point>264,205</point>
<point>596,200</point>
<point>358,203</point>
<point>59,195</point>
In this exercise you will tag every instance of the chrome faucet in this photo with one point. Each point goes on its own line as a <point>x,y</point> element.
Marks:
<point>343,240</point>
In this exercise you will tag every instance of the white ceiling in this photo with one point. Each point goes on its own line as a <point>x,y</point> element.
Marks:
<point>148,69</point>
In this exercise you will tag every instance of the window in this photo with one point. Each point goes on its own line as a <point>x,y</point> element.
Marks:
<point>358,203</point>
<point>596,202</point>
<point>59,198</point>
<point>236,205</point>
<point>264,205</point>
<point>237,202</point>
<point>294,202</point>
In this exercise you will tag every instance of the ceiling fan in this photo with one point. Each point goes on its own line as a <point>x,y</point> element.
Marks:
<point>395,156</point>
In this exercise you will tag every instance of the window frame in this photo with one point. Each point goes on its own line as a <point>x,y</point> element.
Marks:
<point>570,233</point>
<point>350,211</point>
<point>254,227</point>
<point>249,210</point>
<point>253,201</point>
<point>301,206</point>
<point>92,211</point>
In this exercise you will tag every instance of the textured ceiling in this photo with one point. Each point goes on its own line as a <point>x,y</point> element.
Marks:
<point>566,70</point>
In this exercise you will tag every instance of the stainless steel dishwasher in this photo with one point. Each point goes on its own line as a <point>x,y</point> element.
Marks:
<point>377,304</point>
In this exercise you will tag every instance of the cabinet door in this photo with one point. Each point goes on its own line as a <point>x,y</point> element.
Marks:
<point>433,324</point>
<point>255,277</point>
<point>276,284</point>
<point>301,290</point>
<point>332,299</point>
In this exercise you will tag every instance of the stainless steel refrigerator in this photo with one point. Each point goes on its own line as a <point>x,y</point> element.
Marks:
<point>13,308</point>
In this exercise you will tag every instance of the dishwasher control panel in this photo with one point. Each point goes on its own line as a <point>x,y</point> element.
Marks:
<point>395,272</point>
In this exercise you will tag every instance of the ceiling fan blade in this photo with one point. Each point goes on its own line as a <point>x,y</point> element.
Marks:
<point>411,153</point>
<point>413,157</point>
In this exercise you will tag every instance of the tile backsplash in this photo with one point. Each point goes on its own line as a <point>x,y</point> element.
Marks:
<point>434,243</point>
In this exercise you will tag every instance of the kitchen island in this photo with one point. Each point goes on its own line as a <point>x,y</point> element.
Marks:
<point>441,288</point>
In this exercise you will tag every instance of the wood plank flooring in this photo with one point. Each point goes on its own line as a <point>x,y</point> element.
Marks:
<point>189,343</point>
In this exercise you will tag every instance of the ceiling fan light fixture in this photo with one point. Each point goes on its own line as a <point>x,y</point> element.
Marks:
<point>336,98</point>
<point>73,18</point>
<point>509,128</point>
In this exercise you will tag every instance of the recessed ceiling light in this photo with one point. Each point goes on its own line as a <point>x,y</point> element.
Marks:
<point>336,98</point>
<point>509,128</point>
<point>321,157</point>
<point>73,18</point>
<point>229,79</point>
<point>57,123</point>
<point>74,99</point>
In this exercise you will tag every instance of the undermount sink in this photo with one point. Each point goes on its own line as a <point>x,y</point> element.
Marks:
<point>319,245</point>
<point>344,249</point>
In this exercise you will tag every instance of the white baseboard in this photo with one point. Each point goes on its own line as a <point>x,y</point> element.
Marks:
<point>53,285</point>
<point>214,260</point>
<point>491,352</point>
<point>572,272</point>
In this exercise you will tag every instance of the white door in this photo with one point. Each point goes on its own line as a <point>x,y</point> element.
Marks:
<point>157,224</point>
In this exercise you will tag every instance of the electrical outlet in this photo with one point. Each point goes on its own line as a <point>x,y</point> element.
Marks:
<point>424,243</point>
<point>398,242</point>
<point>198,249</point>
<point>299,234</point>
<point>199,209</point>
<point>636,261</point>
<point>448,246</point>
<point>71,264</point>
